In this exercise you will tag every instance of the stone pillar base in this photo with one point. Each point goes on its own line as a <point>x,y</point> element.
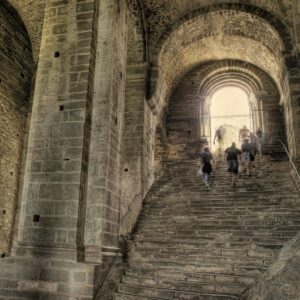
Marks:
<point>69,252</point>
<point>44,278</point>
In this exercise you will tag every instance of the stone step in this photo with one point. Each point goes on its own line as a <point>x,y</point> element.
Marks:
<point>195,287</point>
<point>204,252</point>
<point>203,229</point>
<point>166,294</point>
<point>210,244</point>
<point>199,268</point>
<point>197,214</point>
<point>122,296</point>
<point>196,245</point>
<point>190,277</point>
<point>250,240</point>
<point>210,221</point>
<point>202,260</point>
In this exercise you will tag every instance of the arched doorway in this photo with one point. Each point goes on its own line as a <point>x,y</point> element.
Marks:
<point>230,107</point>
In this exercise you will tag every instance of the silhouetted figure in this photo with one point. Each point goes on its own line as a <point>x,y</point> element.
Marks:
<point>254,142</point>
<point>260,136</point>
<point>220,137</point>
<point>244,133</point>
<point>207,161</point>
<point>233,157</point>
<point>246,156</point>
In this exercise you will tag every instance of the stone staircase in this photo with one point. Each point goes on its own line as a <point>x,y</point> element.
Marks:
<point>193,244</point>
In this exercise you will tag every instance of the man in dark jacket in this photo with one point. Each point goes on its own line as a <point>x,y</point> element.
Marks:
<point>233,157</point>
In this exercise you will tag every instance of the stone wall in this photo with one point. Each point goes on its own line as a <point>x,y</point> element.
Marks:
<point>296,19</point>
<point>53,186</point>
<point>139,148</point>
<point>102,218</point>
<point>183,121</point>
<point>15,82</point>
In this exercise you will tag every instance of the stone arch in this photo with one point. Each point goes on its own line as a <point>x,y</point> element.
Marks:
<point>31,12</point>
<point>189,104</point>
<point>264,96</point>
<point>222,35</point>
<point>163,14</point>
<point>17,68</point>
<point>271,17</point>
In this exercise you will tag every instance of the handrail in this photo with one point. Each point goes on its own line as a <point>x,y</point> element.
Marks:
<point>290,159</point>
<point>101,283</point>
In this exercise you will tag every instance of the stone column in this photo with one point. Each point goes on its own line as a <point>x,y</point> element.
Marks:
<point>101,235</point>
<point>51,218</point>
<point>296,19</point>
<point>132,175</point>
<point>272,116</point>
<point>292,114</point>
<point>205,117</point>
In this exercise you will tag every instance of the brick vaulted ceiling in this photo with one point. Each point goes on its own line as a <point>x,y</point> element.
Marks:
<point>182,34</point>
<point>162,14</point>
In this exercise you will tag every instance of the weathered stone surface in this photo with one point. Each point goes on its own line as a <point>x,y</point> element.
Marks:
<point>17,69</point>
<point>192,244</point>
<point>32,14</point>
<point>282,280</point>
<point>121,88</point>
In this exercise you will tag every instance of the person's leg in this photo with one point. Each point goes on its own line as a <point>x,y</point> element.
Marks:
<point>235,171</point>
<point>221,150</point>
<point>204,177</point>
<point>251,162</point>
<point>207,177</point>
<point>253,158</point>
<point>247,165</point>
<point>244,163</point>
<point>208,181</point>
<point>234,179</point>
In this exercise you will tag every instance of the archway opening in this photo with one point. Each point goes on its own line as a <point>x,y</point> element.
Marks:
<point>230,107</point>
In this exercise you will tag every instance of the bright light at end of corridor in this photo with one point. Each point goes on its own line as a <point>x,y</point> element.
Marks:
<point>229,101</point>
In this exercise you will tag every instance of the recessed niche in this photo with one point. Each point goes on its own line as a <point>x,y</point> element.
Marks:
<point>36,218</point>
<point>56,54</point>
<point>61,108</point>
<point>126,170</point>
<point>3,211</point>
